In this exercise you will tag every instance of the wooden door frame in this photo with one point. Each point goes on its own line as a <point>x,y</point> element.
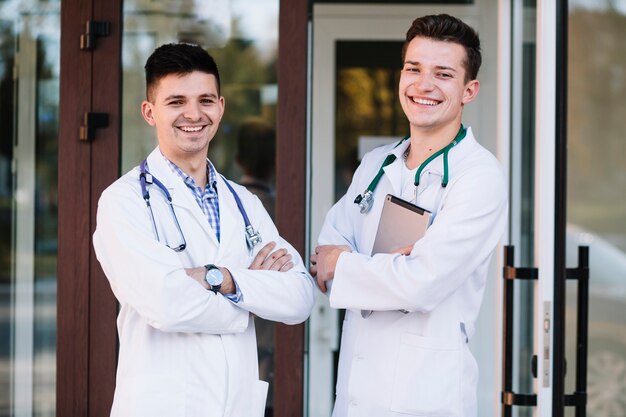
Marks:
<point>291,131</point>
<point>86,308</point>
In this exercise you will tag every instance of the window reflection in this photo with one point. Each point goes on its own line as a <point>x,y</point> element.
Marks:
<point>29,98</point>
<point>596,210</point>
<point>46,167</point>
<point>7,59</point>
<point>368,108</point>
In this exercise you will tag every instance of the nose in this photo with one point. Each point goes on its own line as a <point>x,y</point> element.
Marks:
<point>424,82</point>
<point>192,111</point>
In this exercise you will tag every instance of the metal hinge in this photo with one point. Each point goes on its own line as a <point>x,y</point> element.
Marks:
<point>93,29</point>
<point>92,121</point>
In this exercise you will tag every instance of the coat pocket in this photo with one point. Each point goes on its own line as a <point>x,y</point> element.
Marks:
<point>427,378</point>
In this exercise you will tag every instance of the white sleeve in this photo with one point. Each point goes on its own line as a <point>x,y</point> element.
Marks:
<point>286,297</point>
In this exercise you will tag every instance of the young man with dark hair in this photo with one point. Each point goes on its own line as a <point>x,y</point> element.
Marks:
<point>411,311</point>
<point>181,248</point>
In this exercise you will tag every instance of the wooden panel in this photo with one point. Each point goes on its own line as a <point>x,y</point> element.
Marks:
<point>86,308</point>
<point>290,190</point>
<point>74,238</point>
<point>105,149</point>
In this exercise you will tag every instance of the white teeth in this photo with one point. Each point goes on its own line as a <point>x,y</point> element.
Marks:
<point>191,128</point>
<point>424,101</point>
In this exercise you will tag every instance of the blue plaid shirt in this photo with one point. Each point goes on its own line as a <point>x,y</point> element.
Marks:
<point>207,198</point>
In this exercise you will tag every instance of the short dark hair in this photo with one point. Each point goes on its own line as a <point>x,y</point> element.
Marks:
<point>443,27</point>
<point>180,59</point>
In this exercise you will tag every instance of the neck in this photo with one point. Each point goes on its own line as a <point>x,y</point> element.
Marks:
<point>424,143</point>
<point>195,167</point>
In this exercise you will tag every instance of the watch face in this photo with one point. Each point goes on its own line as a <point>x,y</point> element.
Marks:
<point>214,276</point>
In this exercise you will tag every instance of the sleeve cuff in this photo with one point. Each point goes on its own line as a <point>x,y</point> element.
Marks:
<point>237,296</point>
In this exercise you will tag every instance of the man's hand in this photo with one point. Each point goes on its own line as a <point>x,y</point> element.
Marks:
<point>324,261</point>
<point>279,260</point>
<point>406,251</point>
<point>198,274</point>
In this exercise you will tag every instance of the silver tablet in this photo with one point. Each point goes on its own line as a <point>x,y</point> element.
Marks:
<point>401,224</point>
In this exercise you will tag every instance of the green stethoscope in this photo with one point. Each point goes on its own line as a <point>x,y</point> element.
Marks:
<point>366,199</point>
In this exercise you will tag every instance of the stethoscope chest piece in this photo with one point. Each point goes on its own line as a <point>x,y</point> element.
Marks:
<point>365,201</point>
<point>252,238</point>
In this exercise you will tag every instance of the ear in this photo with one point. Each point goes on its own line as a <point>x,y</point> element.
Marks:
<point>471,91</point>
<point>222,104</point>
<point>146,112</point>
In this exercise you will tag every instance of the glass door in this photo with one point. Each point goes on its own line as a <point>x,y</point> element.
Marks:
<point>596,197</point>
<point>579,368</point>
<point>519,124</point>
<point>593,210</point>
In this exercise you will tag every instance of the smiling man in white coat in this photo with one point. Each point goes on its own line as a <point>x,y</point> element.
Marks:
<point>181,248</point>
<point>411,312</point>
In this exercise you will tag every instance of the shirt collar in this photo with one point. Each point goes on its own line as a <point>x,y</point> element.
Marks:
<point>189,181</point>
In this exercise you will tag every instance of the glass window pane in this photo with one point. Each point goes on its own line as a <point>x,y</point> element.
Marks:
<point>368,108</point>
<point>29,104</point>
<point>7,96</point>
<point>596,211</point>
<point>523,194</point>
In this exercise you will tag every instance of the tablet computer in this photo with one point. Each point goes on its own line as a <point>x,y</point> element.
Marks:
<point>401,224</point>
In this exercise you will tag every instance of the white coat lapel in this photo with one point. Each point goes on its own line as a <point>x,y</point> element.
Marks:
<point>393,171</point>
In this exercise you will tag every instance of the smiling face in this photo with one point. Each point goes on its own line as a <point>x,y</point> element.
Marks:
<point>432,86</point>
<point>186,111</point>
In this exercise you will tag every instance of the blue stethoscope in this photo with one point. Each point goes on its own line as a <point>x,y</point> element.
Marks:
<point>365,200</point>
<point>145,178</point>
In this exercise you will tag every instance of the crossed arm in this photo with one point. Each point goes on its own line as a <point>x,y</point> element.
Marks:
<point>325,257</point>
<point>279,260</point>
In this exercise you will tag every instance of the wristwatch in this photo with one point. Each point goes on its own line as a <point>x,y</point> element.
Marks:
<point>213,277</point>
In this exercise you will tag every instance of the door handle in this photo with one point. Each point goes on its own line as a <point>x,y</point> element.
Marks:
<point>578,399</point>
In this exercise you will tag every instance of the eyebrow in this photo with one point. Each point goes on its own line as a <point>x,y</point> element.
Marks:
<point>182,97</point>
<point>439,67</point>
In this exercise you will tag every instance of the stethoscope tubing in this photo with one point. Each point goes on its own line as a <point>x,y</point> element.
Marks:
<point>365,200</point>
<point>145,178</point>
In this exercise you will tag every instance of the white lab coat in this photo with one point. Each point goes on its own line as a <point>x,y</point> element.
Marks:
<point>410,356</point>
<point>185,351</point>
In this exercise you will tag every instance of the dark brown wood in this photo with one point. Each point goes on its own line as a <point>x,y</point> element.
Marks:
<point>290,190</point>
<point>105,157</point>
<point>86,308</point>
<point>74,240</point>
